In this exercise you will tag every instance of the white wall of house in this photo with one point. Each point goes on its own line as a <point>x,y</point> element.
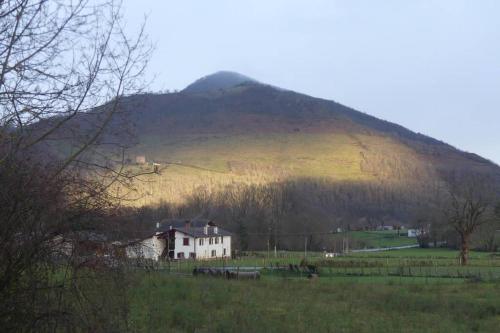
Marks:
<point>220,244</point>
<point>180,247</point>
<point>204,249</point>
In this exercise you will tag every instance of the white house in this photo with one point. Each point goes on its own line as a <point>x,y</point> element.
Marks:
<point>182,239</point>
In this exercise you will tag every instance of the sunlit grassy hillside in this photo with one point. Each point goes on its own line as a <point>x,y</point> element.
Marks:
<point>192,161</point>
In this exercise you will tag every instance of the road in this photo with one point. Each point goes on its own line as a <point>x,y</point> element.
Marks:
<point>385,248</point>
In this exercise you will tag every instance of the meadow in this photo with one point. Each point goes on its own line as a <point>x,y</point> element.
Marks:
<point>411,290</point>
<point>386,238</point>
<point>212,161</point>
<point>411,265</point>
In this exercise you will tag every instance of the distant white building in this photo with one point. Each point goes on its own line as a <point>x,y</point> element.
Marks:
<point>385,227</point>
<point>140,159</point>
<point>413,233</point>
<point>183,239</point>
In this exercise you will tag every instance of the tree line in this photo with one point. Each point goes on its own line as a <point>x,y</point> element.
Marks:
<point>280,214</point>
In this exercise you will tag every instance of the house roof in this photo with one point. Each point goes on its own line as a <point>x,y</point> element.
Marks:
<point>200,232</point>
<point>168,224</point>
<point>195,229</point>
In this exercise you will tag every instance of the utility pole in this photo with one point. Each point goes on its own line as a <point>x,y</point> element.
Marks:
<point>345,244</point>
<point>268,242</point>
<point>267,248</point>
<point>305,246</point>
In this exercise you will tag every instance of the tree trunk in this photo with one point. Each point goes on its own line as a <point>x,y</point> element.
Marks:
<point>464,249</point>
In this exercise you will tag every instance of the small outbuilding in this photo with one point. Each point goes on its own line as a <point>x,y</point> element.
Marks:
<point>414,233</point>
<point>140,159</point>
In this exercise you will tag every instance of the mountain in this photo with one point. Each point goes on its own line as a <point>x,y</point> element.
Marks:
<point>254,156</point>
<point>227,130</point>
<point>218,81</point>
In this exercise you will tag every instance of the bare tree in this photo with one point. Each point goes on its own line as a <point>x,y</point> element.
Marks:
<point>65,69</point>
<point>59,61</point>
<point>470,198</point>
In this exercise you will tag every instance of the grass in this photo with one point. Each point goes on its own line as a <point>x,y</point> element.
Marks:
<point>216,160</point>
<point>380,239</point>
<point>430,253</point>
<point>163,303</point>
<point>411,290</point>
<point>300,153</point>
<point>440,260</point>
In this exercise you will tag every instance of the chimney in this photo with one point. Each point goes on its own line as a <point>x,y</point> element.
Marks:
<point>187,224</point>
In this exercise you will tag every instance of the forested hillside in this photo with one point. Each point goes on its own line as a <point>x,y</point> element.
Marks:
<point>266,160</point>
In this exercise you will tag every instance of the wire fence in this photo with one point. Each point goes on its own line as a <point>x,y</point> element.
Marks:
<point>295,265</point>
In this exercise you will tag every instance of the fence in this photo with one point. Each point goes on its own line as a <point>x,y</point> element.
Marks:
<point>285,264</point>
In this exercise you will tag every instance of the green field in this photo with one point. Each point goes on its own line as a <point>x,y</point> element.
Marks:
<point>377,239</point>
<point>418,264</point>
<point>430,253</point>
<point>411,290</point>
<point>162,303</point>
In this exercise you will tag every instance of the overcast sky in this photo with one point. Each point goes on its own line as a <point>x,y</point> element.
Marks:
<point>431,66</point>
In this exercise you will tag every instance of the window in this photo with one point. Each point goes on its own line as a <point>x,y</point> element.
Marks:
<point>211,241</point>
<point>216,240</point>
<point>180,255</point>
<point>224,252</point>
<point>214,253</point>
<point>192,255</point>
<point>185,241</point>
<point>201,241</point>
<point>222,239</point>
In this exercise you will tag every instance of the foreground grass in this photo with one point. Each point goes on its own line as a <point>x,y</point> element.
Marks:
<point>163,303</point>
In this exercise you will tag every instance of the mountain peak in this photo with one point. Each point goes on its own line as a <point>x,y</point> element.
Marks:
<point>217,81</point>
